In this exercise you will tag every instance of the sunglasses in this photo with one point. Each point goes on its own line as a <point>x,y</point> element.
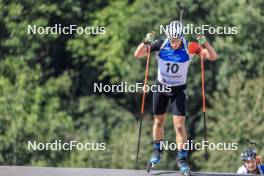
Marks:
<point>175,40</point>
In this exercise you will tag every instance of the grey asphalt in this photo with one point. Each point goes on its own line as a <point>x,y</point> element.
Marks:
<point>51,171</point>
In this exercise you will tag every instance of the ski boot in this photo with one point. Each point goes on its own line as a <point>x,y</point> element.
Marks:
<point>182,163</point>
<point>156,156</point>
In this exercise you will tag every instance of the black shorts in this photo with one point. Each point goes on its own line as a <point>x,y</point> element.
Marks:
<point>177,98</point>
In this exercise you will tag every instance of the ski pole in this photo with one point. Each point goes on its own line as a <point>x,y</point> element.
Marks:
<point>203,101</point>
<point>145,81</point>
<point>182,8</point>
<point>143,102</point>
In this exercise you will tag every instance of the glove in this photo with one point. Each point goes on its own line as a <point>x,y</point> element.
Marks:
<point>149,38</point>
<point>201,39</point>
<point>259,159</point>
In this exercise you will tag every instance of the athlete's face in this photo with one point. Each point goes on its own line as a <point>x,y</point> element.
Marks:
<point>175,43</point>
<point>251,165</point>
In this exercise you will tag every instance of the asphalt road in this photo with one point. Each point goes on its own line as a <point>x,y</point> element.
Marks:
<point>51,171</point>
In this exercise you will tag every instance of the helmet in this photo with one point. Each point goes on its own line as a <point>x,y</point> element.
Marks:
<point>248,155</point>
<point>174,30</point>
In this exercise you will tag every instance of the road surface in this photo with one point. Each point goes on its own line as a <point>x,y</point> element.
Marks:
<point>51,171</point>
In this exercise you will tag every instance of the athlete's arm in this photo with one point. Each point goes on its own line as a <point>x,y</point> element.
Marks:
<point>141,50</point>
<point>207,52</point>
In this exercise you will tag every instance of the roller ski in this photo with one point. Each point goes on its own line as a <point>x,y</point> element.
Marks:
<point>182,163</point>
<point>184,169</point>
<point>156,157</point>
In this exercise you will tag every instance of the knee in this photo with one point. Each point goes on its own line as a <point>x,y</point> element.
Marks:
<point>179,124</point>
<point>159,123</point>
<point>179,128</point>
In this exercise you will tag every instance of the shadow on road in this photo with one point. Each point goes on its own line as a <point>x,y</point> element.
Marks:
<point>168,172</point>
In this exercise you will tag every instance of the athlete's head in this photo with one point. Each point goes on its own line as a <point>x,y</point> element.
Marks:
<point>174,32</point>
<point>249,159</point>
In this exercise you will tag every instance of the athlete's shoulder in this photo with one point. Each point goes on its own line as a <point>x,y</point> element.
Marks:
<point>242,170</point>
<point>156,45</point>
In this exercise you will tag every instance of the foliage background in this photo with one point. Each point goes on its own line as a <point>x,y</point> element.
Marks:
<point>46,81</point>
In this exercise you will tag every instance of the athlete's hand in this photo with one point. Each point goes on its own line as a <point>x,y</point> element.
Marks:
<point>150,37</point>
<point>259,159</point>
<point>201,39</point>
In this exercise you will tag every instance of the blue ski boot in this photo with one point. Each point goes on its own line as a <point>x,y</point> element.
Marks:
<point>156,156</point>
<point>182,162</point>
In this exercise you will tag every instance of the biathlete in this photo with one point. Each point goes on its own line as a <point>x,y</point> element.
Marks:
<point>174,55</point>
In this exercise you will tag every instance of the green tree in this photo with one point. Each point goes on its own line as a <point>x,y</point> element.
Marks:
<point>31,111</point>
<point>235,117</point>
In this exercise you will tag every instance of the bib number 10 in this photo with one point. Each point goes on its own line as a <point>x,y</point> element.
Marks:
<point>173,68</point>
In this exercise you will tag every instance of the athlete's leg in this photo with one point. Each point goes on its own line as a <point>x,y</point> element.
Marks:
<point>181,139</point>
<point>178,102</point>
<point>179,126</point>
<point>160,102</point>
<point>158,127</point>
<point>178,108</point>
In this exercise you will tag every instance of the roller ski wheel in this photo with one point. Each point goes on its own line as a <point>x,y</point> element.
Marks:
<point>149,166</point>
<point>154,160</point>
<point>184,169</point>
<point>186,173</point>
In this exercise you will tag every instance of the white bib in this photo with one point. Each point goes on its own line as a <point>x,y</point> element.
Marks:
<point>172,73</point>
<point>173,64</point>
